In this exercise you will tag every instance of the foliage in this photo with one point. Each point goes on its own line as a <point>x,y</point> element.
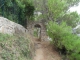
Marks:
<point>58,8</point>
<point>35,32</point>
<point>72,3</point>
<point>72,19</point>
<point>77,30</point>
<point>17,10</point>
<point>61,32</point>
<point>14,48</point>
<point>54,9</point>
<point>63,38</point>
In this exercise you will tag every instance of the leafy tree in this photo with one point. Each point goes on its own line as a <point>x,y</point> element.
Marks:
<point>72,19</point>
<point>57,8</point>
<point>72,2</point>
<point>17,10</point>
<point>54,9</point>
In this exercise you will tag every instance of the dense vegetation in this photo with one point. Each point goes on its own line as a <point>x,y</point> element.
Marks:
<point>14,48</point>
<point>60,28</point>
<point>17,10</point>
<point>72,19</point>
<point>64,40</point>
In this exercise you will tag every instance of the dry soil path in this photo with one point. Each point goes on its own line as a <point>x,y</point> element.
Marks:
<point>45,51</point>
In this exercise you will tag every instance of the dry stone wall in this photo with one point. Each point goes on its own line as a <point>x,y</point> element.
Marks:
<point>31,28</point>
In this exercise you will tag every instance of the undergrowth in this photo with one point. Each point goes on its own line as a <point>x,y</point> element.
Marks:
<point>14,48</point>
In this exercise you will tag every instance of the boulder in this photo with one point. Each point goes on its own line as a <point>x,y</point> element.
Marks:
<point>9,27</point>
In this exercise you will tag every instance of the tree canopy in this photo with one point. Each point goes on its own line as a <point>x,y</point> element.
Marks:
<point>72,19</point>
<point>58,8</point>
<point>17,10</point>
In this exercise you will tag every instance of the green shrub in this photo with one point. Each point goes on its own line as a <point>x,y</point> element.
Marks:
<point>62,37</point>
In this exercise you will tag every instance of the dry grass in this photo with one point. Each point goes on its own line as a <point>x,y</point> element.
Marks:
<point>14,48</point>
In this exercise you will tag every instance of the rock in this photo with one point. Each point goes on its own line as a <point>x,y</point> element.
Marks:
<point>9,27</point>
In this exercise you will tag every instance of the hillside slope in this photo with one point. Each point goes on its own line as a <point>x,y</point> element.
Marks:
<point>14,44</point>
<point>14,48</point>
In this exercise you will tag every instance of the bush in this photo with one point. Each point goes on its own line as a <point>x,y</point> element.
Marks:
<point>63,38</point>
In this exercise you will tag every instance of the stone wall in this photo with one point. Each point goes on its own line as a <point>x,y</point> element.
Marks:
<point>43,28</point>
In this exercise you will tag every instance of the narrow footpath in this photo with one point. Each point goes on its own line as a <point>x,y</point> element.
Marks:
<point>44,51</point>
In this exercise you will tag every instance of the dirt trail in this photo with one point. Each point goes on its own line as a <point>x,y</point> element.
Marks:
<point>44,51</point>
<point>39,54</point>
